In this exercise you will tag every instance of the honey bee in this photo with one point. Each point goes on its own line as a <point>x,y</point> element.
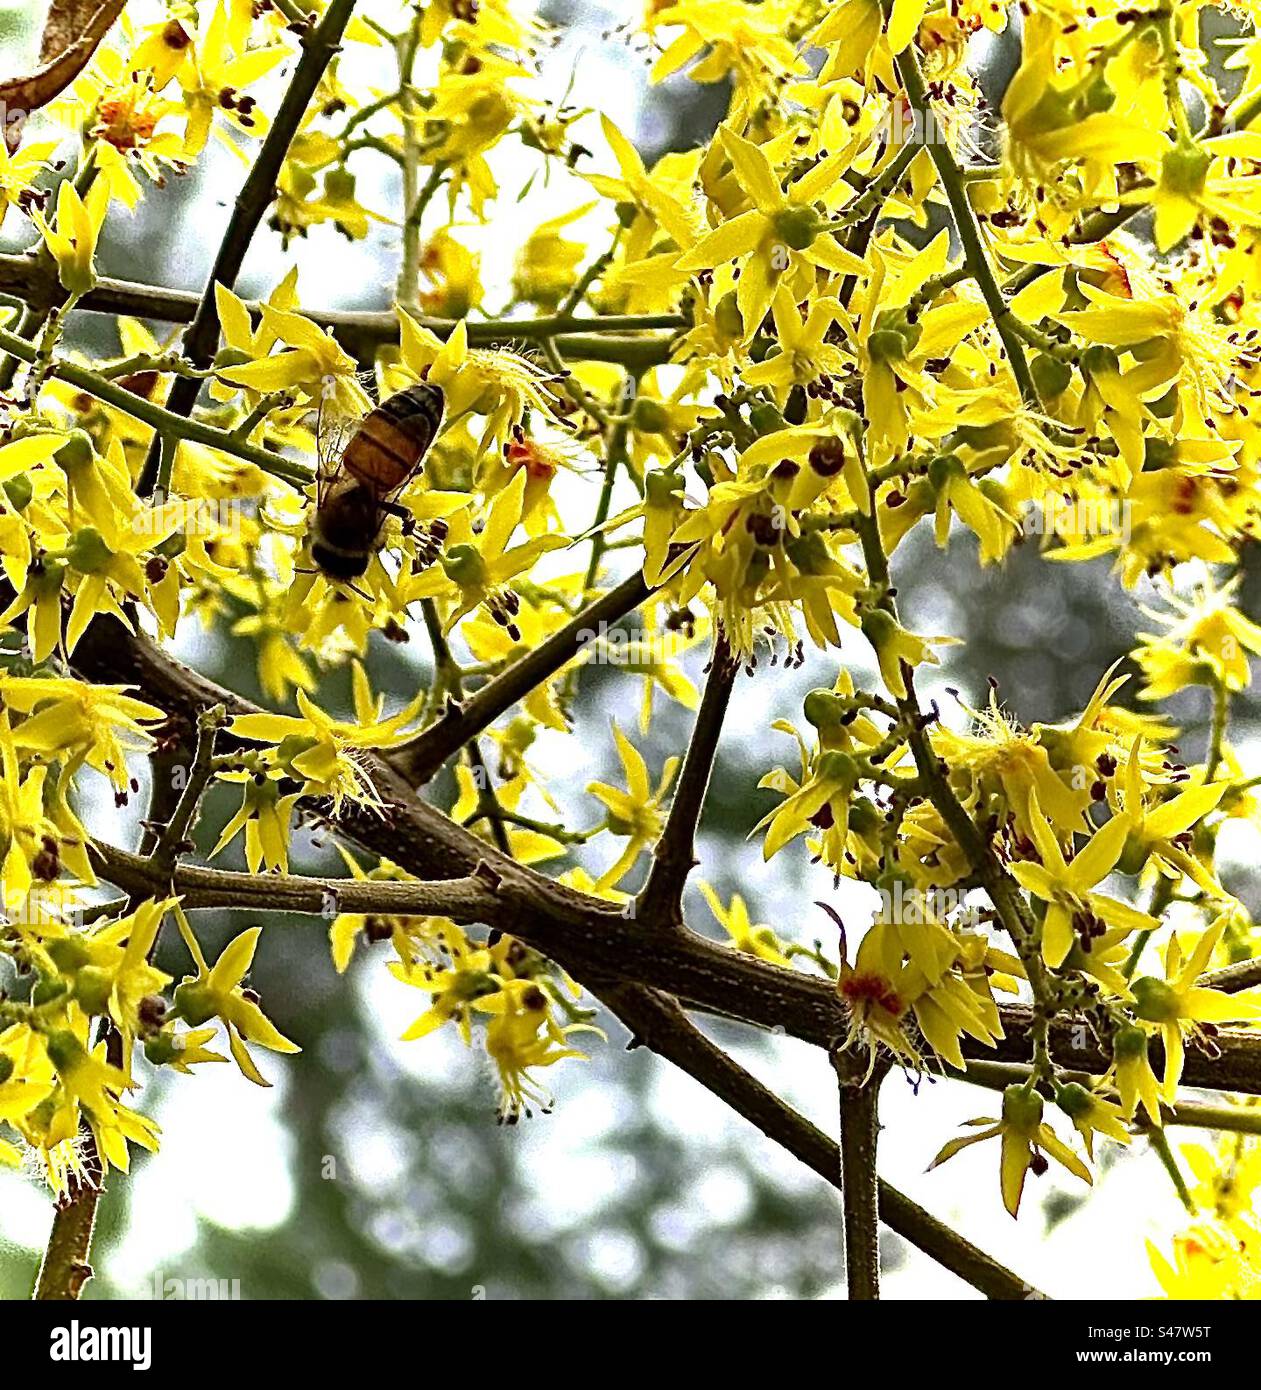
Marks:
<point>357,484</point>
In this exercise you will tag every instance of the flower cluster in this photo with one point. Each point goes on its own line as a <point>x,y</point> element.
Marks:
<point>730,382</point>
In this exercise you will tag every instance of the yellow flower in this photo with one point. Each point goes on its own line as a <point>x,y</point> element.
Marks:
<point>635,813</point>
<point>1163,835</point>
<point>216,79</point>
<point>315,364</point>
<point>522,1035</point>
<point>806,350</point>
<point>1074,910</point>
<point>897,650</point>
<point>72,240</point>
<point>1207,640</point>
<point>218,992</point>
<point>957,492</point>
<point>1210,1262</point>
<point>20,168</point>
<point>477,568</point>
<point>1025,1137</point>
<point>753,940</point>
<point>496,383</point>
<point>780,231</point>
<point>1178,1005</point>
<point>320,749</point>
<point>1092,1114</point>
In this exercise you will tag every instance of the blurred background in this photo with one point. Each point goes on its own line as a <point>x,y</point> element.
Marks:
<point>373,1168</point>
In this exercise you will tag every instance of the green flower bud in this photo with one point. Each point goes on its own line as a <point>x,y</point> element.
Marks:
<point>48,989</point>
<point>766,418</point>
<point>837,767</point>
<point>1050,375</point>
<point>662,488</point>
<point>231,357</point>
<point>77,452</point>
<point>161,1049</point>
<point>1074,1100</point>
<point>464,565</point>
<point>649,416</point>
<point>65,1051</point>
<point>1097,98</point>
<point>1154,1000</point>
<point>727,317</point>
<point>290,747</point>
<point>798,228</point>
<point>943,469</point>
<point>1184,170</point>
<point>92,989</point>
<point>1098,359</point>
<point>1022,1109</point>
<point>87,551</point>
<point>823,708</point>
<point>194,1003</point>
<point>19,491</point>
<point>864,819</point>
<point>339,186</point>
<point>1134,855</point>
<point>810,553</point>
<point>68,954</point>
<point>886,345</point>
<point>1130,1042</point>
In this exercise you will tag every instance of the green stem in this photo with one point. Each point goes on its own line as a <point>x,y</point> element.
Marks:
<point>157,417</point>
<point>956,190</point>
<point>1160,1142</point>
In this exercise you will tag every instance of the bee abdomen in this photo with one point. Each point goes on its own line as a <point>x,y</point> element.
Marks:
<point>421,400</point>
<point>391,442</point>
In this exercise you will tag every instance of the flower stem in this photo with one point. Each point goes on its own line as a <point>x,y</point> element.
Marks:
<point>956,190</point>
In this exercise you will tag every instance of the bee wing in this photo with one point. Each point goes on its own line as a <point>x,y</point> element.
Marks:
<point>333,431</point>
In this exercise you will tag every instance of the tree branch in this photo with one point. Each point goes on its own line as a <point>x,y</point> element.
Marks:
<point>590,938</point>
<point>860,1128</point>
<point>674,857</point>
<point>657,1022</point>
<point>595,339</point>
<point>421,757</point>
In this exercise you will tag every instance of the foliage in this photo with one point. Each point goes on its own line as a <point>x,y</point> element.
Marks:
<point>875,298</point>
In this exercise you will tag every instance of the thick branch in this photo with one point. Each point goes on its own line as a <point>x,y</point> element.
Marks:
<point>65,1268</point>
<point>465,900</point>
<point>860,1129</point>
<point>591,938</point>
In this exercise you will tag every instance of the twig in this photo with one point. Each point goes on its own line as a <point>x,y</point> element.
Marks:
<point>956,190</point>
<point>157,417</point>
<point>420,758</point>
<point>660,902</point>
